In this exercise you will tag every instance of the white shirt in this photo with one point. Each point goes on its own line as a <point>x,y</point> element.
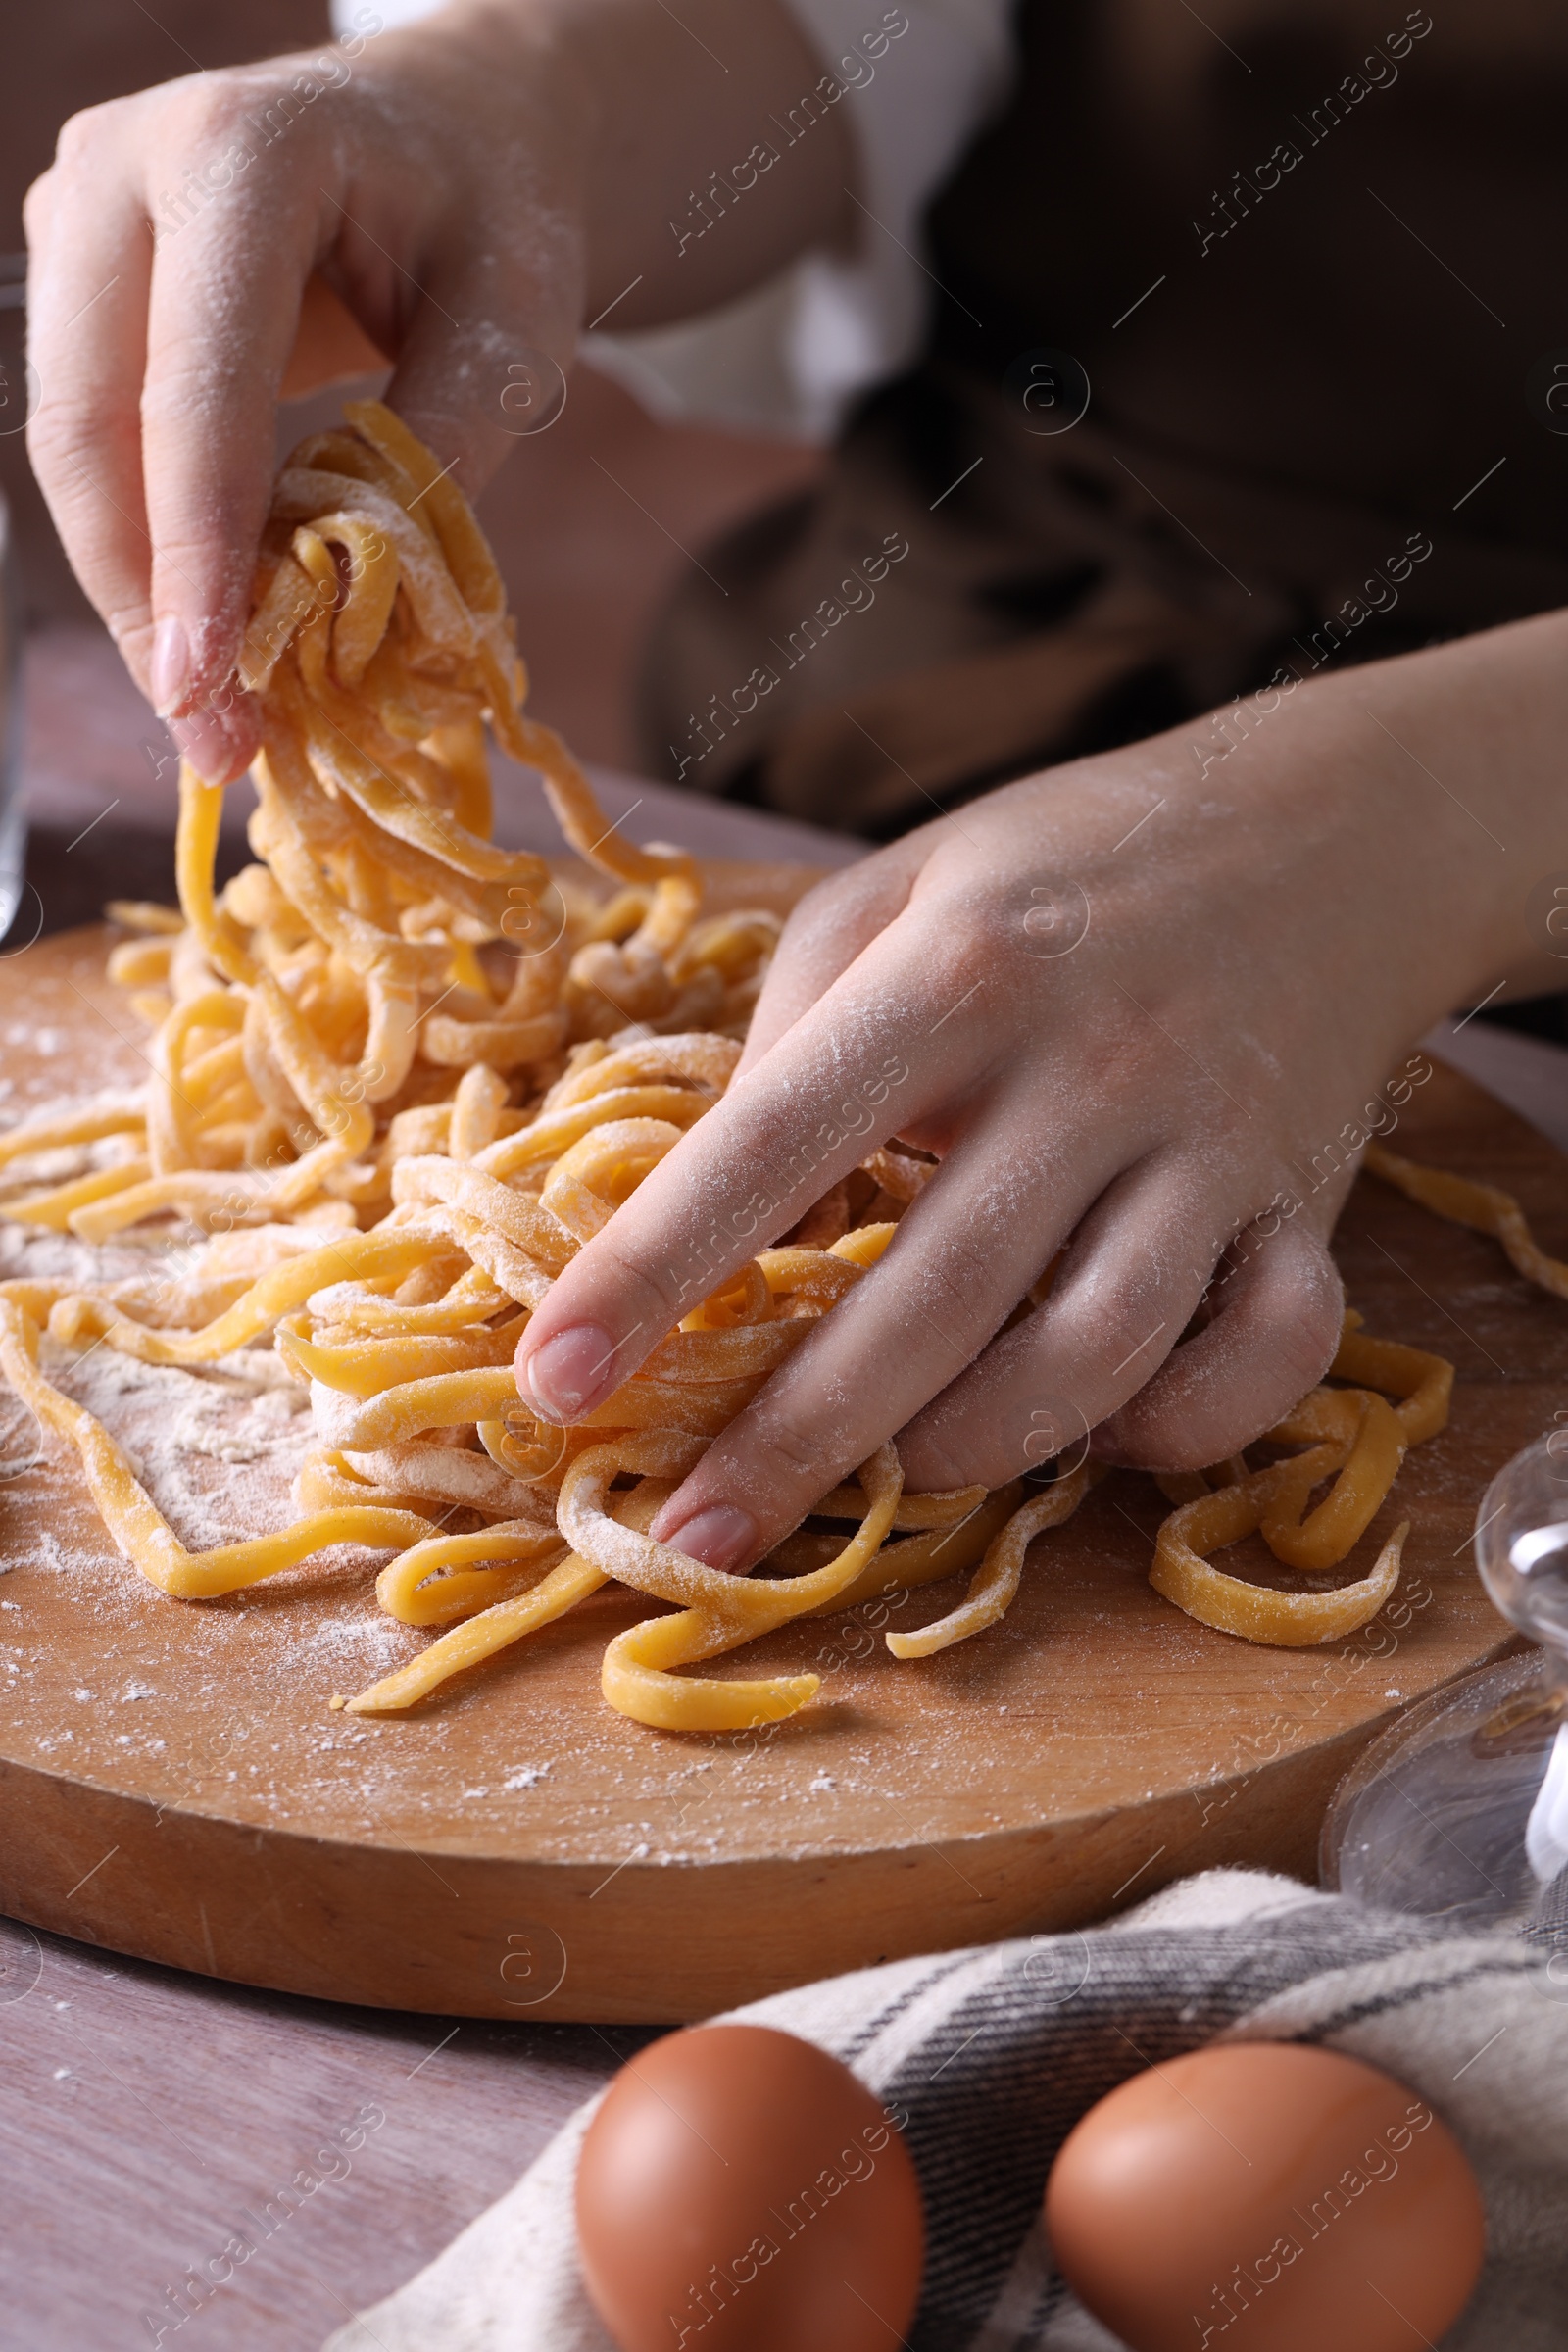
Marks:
<point>790,357</point>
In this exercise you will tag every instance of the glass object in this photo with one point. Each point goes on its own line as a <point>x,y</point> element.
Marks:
<point>1460,1812</point>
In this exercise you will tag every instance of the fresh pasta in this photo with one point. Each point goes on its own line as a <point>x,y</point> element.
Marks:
<point>400,1074</point>
<point>1351,1435</point>
<point>1484,1207</point>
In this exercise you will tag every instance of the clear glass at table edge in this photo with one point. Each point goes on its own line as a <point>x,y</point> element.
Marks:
<point>1459,1812</point>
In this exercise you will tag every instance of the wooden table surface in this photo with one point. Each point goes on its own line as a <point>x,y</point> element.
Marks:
<point>147,2118</point>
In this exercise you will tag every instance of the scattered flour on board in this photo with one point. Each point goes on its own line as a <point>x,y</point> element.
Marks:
<point>217,1467</point>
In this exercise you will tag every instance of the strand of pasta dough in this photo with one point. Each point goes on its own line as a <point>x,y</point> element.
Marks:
<point>1484,1207</point>
<point>1352,1434</point>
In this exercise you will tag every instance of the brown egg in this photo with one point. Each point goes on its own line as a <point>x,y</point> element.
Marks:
<point>1266,2198</point>
<point>740,2191</point>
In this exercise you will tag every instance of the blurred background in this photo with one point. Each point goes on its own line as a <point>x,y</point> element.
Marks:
<point>589,520</point>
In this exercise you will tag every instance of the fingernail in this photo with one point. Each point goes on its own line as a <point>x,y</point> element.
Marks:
<point>219,744</point>
<point>170,668</point>
<point>570,1373</point>
<point>720,1537</point>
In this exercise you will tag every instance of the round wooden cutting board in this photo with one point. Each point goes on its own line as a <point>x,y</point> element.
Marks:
<point>173,1784</point>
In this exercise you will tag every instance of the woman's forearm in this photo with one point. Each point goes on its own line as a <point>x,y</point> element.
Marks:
<point>1441,771</point>
<point>711,150</point>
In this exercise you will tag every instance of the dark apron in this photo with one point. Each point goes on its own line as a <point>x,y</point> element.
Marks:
<point>1236,377</point>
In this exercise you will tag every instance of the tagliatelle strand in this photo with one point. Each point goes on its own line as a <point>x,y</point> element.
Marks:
<point>1315,1542</point>
<point>722,1612</point>
<point>445,1577</point>
<point>902,1568</point>
<point>1351,1435</point>
<point>80,1316</point>
<point>480,1637</point>
<point>1182,1573</point>
<point>1484,1207</point>
<point>498,1627</point>
<point>55,1133</point>
<point>994,1583</point>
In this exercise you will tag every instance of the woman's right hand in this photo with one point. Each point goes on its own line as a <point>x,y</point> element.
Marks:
<point>171,244</point>
<point>463,187</point>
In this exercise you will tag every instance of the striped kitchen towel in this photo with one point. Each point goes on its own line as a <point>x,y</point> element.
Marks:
<point>994,2053</point>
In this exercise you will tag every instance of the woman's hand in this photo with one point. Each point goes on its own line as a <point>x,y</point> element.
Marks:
<point>1142,1016</point>
<point>468,189</point>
